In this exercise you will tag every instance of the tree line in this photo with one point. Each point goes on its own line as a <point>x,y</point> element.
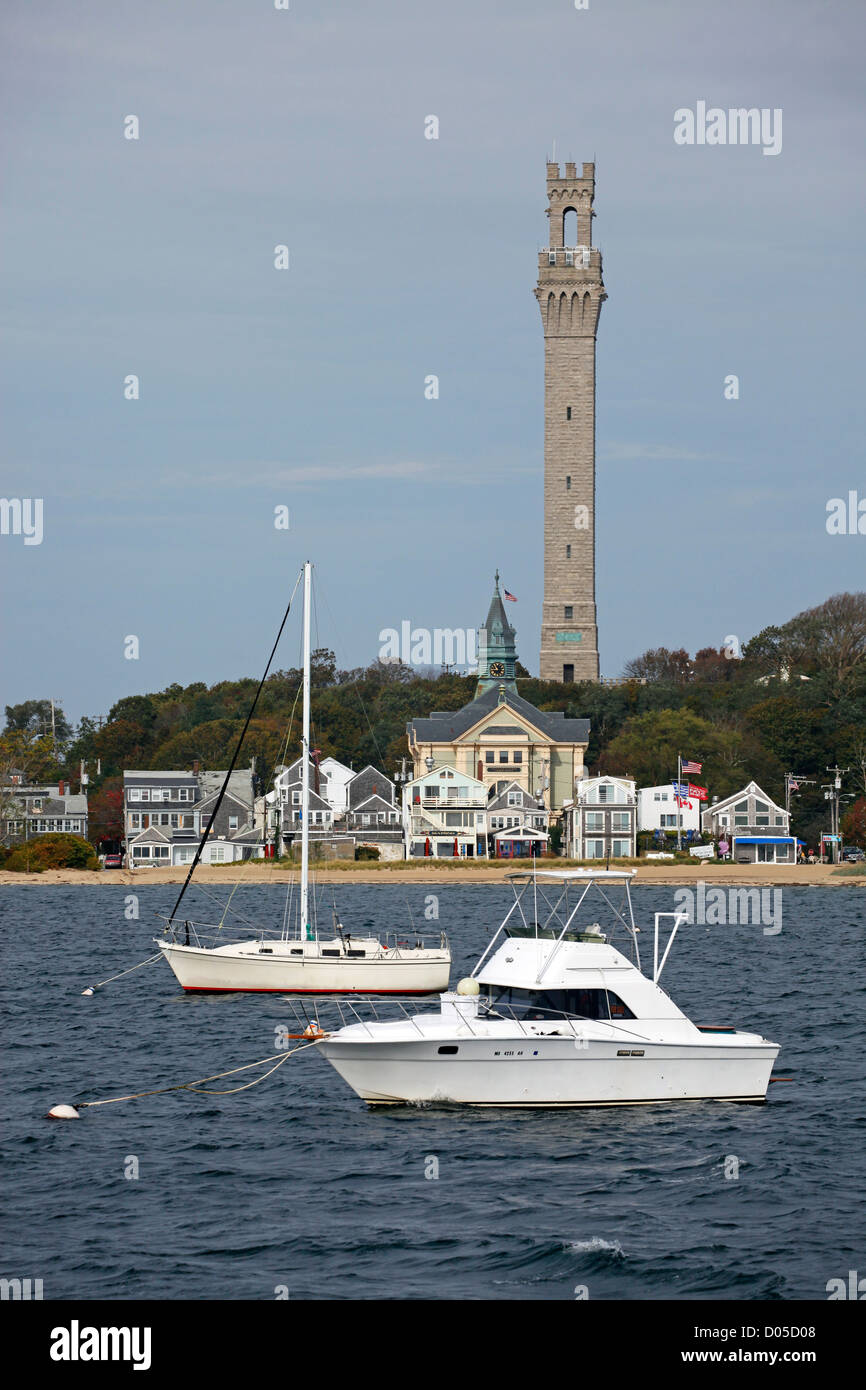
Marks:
<point>792,700</point>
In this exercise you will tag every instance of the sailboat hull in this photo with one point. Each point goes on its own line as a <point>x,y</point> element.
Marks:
<point>291,969</point>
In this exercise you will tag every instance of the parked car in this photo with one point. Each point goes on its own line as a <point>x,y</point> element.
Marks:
<point>113,861</point>
<point>852,853</point>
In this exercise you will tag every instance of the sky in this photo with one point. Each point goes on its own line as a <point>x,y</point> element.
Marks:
<point>303,388</point>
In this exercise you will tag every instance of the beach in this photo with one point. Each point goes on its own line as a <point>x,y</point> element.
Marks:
<point>443,872</point>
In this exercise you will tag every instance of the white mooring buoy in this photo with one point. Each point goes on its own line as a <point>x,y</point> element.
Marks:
<point>63,1112</point>
<point>87,992</point>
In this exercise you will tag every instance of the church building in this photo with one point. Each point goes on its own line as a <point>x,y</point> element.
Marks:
<point>499,738</point>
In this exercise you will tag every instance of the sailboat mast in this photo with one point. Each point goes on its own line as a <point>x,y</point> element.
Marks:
<point>305,762</point>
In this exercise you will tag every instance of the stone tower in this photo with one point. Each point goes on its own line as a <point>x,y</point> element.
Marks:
<point>569,293</point>
<point>497,652</point>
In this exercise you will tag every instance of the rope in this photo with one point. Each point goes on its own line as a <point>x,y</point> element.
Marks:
<point>149,961</point>
<point>193,1085</point>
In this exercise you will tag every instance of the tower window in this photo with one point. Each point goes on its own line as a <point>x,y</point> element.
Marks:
<point>568,552</point>
<point>568,482</point>
<point>569,613</point>
<point>568,675</point>
<point>568,412</point>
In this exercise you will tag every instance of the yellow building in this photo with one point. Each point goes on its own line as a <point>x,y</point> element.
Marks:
<point>499,737</point>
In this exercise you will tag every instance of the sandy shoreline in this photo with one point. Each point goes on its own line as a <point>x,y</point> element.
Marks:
<point>259,872</point>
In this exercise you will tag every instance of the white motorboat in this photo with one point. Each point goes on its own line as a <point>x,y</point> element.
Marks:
<point>555,1015</point>
<point>277,962</point>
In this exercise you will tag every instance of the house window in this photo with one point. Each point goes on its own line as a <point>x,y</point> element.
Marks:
<point>145,794</point>
<point>621,849</point>
<point>568,412</point>
<point>568,482</point>
<point>569,613</point>
<point>568,552</point>
<point>762,820</point>
<point>761,806</point>
<point>233,822</point>
<point>503,755</point>
<point>742,806</point>
<point>595,820</point>
<point>568,675</point>
<point>594,849</point>
<point>431,791</point>
<point>515,798</point>
<point>135,794</point>
<point>657,796</point>
<point>296,798</point>
<point>605,792</point>
<point>780,820</point>
<point>217,853</point>
<point>741,820</point>
<point>621,820</point>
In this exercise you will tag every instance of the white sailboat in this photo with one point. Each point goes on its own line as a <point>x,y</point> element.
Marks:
<point>555,1016</point>
<point>304,963</point>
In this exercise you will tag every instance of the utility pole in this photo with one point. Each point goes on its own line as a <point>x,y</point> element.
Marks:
<point>833,792</point>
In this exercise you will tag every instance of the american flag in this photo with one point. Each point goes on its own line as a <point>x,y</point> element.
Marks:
<point>690,766</point>
<point>794,786</point>
<point>508,595</point>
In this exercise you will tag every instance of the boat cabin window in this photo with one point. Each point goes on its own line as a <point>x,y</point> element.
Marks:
<point>552,1003</point>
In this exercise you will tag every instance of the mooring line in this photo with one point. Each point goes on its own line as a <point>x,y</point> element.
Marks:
<point>149,961</point>
<point>278,1058</point>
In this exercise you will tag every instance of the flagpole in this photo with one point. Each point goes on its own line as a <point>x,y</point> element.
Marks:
<point>679,801</point>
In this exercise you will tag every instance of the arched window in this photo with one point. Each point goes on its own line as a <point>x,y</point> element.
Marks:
<point>569,227</point>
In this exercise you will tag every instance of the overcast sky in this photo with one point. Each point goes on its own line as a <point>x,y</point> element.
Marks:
<point>410,257</point>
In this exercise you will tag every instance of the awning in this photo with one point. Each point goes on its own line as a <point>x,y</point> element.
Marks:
<point>518,834</point>
<point>764,839</point>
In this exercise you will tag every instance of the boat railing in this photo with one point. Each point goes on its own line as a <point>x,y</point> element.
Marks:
<point>205,935</point>
<point>365,1010</point>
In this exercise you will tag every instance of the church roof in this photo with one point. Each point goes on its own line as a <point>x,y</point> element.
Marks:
<point>444,726</point>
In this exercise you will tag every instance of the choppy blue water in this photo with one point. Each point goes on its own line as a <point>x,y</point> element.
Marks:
<point>295,1183</point>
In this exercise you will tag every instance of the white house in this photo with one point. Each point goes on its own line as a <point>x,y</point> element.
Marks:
<point>600,823</point>
<point>445,814</point>
<point>657,810</point>
<point>334,779</point>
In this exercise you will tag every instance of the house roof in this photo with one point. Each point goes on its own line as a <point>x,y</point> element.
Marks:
<point>159,777</point>
<point>211,800</point>
<point>500,801</point>
<point>750,789</point>
<point>446,726</point>
<point>376,801</point>
<point>240,784</point>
